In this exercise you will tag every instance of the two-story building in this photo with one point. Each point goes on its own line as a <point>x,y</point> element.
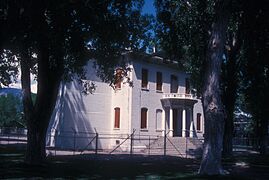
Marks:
<point>158,102</point>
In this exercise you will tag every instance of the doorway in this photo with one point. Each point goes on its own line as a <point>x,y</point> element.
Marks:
<point>177,123</point>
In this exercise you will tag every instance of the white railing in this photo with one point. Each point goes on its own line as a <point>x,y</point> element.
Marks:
<point>178,96</point>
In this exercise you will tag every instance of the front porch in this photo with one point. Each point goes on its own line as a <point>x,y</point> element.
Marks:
<point>179,114</point>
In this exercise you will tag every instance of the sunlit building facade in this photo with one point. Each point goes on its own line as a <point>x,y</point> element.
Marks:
<point>156,100</point>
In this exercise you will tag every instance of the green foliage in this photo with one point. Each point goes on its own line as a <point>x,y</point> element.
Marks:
<point>74,32</point>
<point>183,33</point>
<point>11,111</point>
<point>255,66</point>
<point>8,68</point>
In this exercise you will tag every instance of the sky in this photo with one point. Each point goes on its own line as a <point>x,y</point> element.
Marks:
<point>18,83</point>
<point>149,7</point>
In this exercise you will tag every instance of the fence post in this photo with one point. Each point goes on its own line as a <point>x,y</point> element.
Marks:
<point>96,143</point>
<point>186,148</point>
<point>149,145</point>
<point>55,135</point>
<point>164,144</point>
<point>132,136</point>
<point>74,148</point>
<point>18,135</point>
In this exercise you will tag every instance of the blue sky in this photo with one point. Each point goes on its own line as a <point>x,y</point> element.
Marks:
<point>149,7</point>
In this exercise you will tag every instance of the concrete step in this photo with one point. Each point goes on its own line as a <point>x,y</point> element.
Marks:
<point>177,146</point>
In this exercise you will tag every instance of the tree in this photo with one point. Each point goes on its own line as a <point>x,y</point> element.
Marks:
<point>55,39</point>
<point>184,35</point>
<point>182,31</point>
<point>11,111</point>
<point>255,69</point>
<point>8,68</point>
<point>231,68</point>
<point>211,96</point>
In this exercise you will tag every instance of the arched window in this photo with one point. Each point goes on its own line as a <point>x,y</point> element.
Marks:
<point>159,119</point>
<point>144,118</point>
<point>198,121</point>
<point>117,118</point>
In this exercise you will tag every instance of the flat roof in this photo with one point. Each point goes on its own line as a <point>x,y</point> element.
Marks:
<point>155,58</point>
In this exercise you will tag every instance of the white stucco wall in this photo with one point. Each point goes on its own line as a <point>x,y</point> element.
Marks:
<point>84,114</point>
<point>198,109</point>
<point>150,98</point>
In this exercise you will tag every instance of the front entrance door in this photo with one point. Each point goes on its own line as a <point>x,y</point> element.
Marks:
<point>177,123</point>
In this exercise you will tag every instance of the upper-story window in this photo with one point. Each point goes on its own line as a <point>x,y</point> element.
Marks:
<point>187,86</point>
<point>144,117</point>
<point>159,81</point>
<point>198,121</point>
<point>144,79</point>
<point>174,84</point>
<point>118,78</point>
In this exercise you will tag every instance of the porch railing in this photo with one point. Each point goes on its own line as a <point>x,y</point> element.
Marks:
<point>178,95</point>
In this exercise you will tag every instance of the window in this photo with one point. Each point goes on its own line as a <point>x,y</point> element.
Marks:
<point>198,121</point>
<point>144,78</point>
<point>117,118</point>
<point>187,86</point>
<point>174,84</point>
<point>159,119</point>
<point>118,78</point>
<point>144,116</point>
<point>159,81</point>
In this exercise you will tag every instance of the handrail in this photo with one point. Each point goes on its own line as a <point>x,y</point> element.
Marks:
<point>165,137</point>
<point>175,147</point>
<point>178,95</point>
<point>168,132</point>
<point>88,145</point>
<point>164,143</point>
<point>122,142</point>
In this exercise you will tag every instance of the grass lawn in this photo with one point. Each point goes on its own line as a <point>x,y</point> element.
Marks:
<point>124,167</point>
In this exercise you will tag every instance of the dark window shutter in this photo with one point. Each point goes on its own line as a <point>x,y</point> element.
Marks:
<point>144,78</point>
<point>117,118</point>
<point>174,84</point>
<point>144,118</point>
<point>198,122</point>
<point>159,82</point>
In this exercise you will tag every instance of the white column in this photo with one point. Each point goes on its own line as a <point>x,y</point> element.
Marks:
<point>191,124</point>
<point>184,122</point>
<point>163,121</point>
<point>171,122</point>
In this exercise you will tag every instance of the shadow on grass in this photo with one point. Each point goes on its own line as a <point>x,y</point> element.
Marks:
<point>120,167</point>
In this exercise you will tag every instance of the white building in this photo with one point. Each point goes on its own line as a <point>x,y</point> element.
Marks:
<point>159,102</point>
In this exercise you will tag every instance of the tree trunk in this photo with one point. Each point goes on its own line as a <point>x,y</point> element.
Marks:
<point>229,98</point>
<point>48,81</point>
<point>36,138</point>
<point>211,96</point>
<point>37,124</point>
<point>229,92</point>
<point>38,115</point>
<point>228,134</point>
<point>48,85</point>
<point>264,135</point>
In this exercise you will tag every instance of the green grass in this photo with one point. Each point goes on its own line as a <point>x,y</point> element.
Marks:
<point>124,167</point>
